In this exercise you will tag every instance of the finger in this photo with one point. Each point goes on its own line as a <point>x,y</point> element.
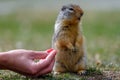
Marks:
<point>46,70</point>
<point>39,54</point>
<point>45,62</point>
<point>51,55</point>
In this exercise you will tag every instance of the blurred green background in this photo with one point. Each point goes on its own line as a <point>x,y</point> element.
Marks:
<point>29,24</point>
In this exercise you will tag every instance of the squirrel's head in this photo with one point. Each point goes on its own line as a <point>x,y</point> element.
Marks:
<point>70,12</point>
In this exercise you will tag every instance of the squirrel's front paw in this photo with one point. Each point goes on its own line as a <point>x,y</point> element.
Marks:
<point>82,72</point>
<point>74,49</point>
<point>55,74</point>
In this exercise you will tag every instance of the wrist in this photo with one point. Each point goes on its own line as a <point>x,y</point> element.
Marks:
<point>3,58</point>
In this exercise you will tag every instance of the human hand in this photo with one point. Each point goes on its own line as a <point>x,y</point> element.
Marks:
<point>22,61</point>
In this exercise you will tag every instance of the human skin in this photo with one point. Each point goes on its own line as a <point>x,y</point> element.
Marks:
<point>22,61</point>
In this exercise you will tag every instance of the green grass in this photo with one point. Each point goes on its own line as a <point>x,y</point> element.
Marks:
<point>103,35</point>
<point>101,29</point>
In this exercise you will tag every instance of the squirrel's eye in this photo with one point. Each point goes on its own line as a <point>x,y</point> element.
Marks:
<point>71,9</point>
<point>63,8</point>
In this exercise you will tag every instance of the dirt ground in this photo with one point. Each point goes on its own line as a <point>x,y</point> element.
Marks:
<point>106,75</point>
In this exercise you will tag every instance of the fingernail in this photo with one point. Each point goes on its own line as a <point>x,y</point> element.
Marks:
<point>49,50</point>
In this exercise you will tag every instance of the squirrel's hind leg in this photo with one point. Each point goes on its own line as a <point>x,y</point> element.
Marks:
<point>58,68</point>
<point>80,67</point>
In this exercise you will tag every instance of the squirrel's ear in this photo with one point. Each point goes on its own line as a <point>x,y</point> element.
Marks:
<point>81,13</point>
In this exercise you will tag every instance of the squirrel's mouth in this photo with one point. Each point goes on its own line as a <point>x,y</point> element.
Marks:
<point>67,15</point>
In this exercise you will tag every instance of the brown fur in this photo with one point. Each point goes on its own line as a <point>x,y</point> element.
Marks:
<point>68,41</point>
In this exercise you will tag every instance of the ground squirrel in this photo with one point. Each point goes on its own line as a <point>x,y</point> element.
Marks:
<point>68,41</point>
